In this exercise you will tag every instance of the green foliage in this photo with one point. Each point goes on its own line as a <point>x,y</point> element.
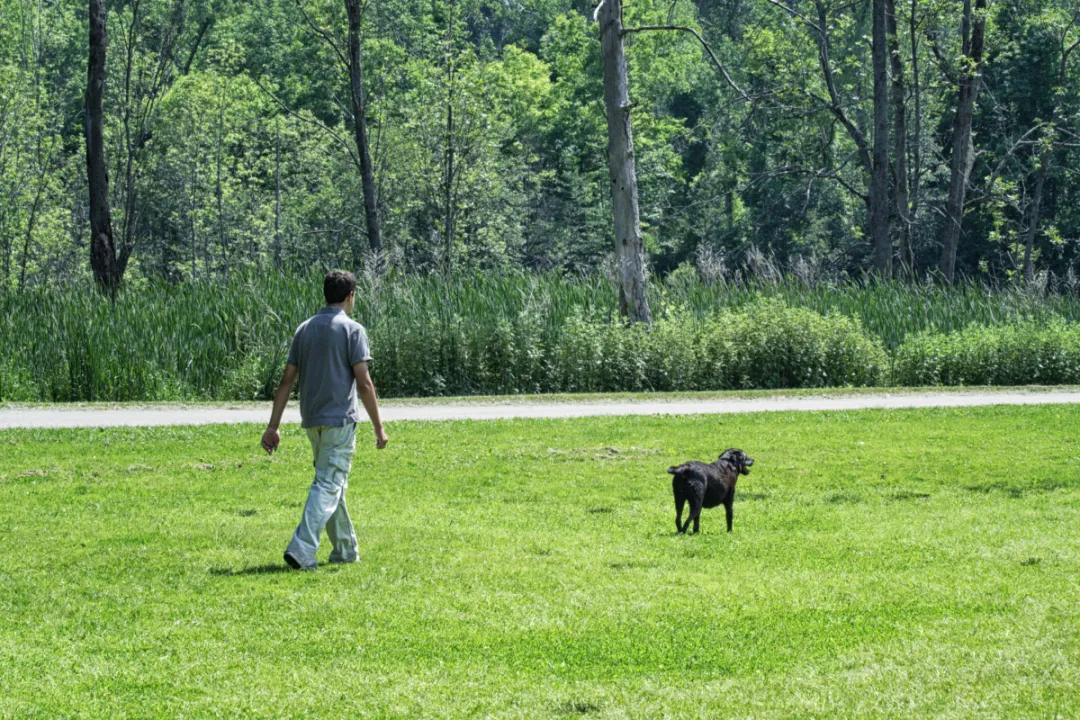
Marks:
<point>230,136</point>
<point>1009,355</point>
<point>764,345</point>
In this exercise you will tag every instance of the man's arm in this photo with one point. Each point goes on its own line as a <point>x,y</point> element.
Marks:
<point>272,437</point>
<point>366,390</point>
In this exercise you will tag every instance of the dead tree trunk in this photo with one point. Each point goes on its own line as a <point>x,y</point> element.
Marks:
<point>916,140</point>
<point>879,180</point>
<point>900,175</point>
<point>103,260</point>
<point>359,104</point>
<point>963,151</point>
<point>629,243</point>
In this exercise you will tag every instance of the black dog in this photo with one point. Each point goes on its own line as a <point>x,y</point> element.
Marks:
<point>707,485</point>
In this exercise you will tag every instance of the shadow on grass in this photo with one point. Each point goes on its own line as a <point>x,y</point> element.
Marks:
<point>269,569</point>
<point>253,570</point>
<point>577,707</point>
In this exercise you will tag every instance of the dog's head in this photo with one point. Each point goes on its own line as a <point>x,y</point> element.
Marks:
<point>739,459</point>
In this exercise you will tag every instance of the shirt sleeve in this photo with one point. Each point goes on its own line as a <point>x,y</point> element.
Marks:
<point>359,350</point>
<point>294,350</point>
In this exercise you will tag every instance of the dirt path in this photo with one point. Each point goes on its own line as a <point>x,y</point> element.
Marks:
<point>62,417</point>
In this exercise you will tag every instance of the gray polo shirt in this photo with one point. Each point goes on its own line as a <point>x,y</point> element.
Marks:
<point>325,348</point>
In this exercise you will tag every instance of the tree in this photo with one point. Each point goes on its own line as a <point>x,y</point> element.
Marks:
<point>879,180</point>
<point>629,244</point>
<point>487,142</point>
<point>873,154</point>
<point>150,63</point>
<point>900,143</point>
<point>968,78</point>
<point>1048,146</point>
<point>34,158</point>
<point>104,259</point>
<point>359,105</point>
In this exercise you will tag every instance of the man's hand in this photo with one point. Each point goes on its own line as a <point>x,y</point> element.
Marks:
<point>272,437</point>
<point>366,390</point>
<point>270,440</point>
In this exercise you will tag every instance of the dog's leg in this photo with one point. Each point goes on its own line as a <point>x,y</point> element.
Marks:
<point>697,499</point>
<point>729,508</point>
<point>680,500</point>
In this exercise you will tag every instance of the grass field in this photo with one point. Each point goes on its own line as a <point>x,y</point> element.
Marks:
<point>883,564</point>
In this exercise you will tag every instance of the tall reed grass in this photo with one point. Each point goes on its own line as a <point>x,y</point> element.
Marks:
<point>475,333</point>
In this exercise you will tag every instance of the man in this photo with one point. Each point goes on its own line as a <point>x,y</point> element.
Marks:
<point>330,353</point>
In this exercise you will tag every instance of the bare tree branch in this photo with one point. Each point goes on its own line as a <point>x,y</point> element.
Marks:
<point>309,120</point>
<point>790,10</point>
<point>996,173</point>
<point>943,63</point>
<point>692,31</point>
<point>323,34</point>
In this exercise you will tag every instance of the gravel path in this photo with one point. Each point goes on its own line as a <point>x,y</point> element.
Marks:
<point>61,417</point>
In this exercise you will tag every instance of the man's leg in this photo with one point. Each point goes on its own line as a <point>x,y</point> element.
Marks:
<point>342,535</point>
<point>339,527</point>
<point>333,458</point>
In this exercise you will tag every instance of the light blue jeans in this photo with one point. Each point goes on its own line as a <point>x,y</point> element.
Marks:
<point>333,449</point>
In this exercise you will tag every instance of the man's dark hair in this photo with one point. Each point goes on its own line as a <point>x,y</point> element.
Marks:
<point>337,286</point>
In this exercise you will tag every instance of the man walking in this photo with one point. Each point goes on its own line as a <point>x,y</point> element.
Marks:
<point>330,353</point>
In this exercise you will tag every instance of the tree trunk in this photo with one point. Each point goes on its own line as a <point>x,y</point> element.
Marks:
<point>277,197</point>
<point>7,249</point>
<point>879,180</point>
<point>218,192</point>
<point>198,41</point>
<point>103,259</point>
<point>916,141</point>
<point>1033,218</point>
<point>629,243</point>
<point>877,198</point>
<point>30,227</point>
<point>900,179</point>
<point>356,87</point>
<point>963,151</point>
<point>448,196</point>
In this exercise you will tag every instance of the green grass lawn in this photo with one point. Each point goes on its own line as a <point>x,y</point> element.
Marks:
<point>883,564</point>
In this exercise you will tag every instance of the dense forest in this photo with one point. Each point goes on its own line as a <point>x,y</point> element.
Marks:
<point>938,137</point>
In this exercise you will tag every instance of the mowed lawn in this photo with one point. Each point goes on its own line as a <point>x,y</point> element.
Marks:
<point>883,564</point>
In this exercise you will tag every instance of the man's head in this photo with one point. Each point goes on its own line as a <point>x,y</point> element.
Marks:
<point>339,287</point>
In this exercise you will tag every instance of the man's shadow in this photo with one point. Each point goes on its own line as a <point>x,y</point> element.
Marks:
<point>269,569</point>
<point>254,570</point>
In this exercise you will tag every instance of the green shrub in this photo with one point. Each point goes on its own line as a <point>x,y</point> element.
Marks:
<point>16,384</point>
<point>770,345</point>
<point>1025,354</point>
